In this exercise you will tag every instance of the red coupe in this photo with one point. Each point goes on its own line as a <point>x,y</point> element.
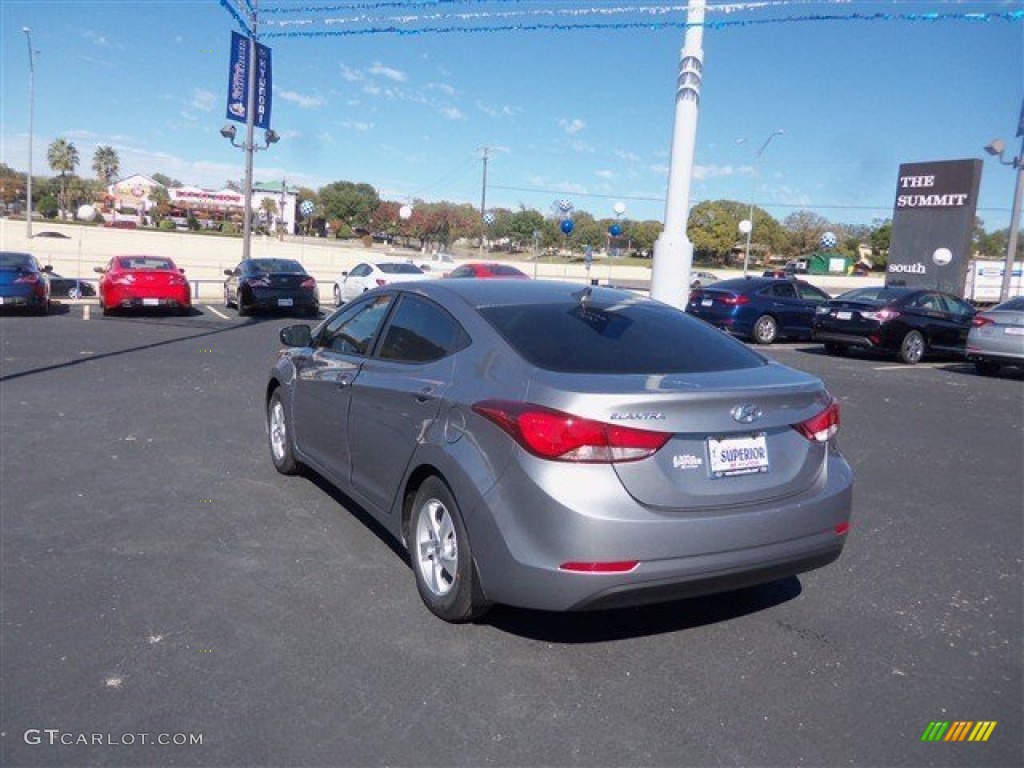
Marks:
<point>131,282</point>
<point>490,269</point>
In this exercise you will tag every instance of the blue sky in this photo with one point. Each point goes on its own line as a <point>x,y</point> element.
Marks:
<point>566,113</point>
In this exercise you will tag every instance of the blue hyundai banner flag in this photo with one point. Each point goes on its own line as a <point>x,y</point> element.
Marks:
<point>238,80</point>
<point>1020,128</point>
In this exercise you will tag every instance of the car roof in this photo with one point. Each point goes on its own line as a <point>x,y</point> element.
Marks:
<point>748,283</point>
<point>483,293</point>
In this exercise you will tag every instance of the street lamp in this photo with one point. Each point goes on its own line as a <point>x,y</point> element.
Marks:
<point>753,184</point>
<point>996,148</point>
<point>31,128</point>
<point>230,132</point>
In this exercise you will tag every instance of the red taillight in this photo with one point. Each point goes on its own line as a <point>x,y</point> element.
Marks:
<point>881,315</point>
<point>734,301</point>
<point>619,566</point>
<point>823,427</point>
<point>28,277</point>
<point>841,529</point>
<point>381,282</point>
<point>561,436</point>
<point>309,284</point>
<point>980,320</point>
<point>122,279</point>
<point>177,280</point>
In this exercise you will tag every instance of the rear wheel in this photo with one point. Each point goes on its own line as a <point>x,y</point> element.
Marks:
<point>766,330</point>
<point>986,367</point>
<point>442,560</point>
<point>280,437</point>
<point>912,348</point>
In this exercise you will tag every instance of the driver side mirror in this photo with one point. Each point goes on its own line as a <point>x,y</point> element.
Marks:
<point>300,335</point>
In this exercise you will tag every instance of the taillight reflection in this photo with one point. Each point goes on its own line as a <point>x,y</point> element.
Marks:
<point>823,427</point>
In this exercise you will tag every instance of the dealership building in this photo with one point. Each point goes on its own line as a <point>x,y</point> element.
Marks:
<point>132,197</point>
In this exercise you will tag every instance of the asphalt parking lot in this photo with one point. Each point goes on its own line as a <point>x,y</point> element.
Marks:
<point>162,583</point>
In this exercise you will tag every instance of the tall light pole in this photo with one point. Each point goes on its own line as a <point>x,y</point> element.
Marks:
<point>673,251</point>
<point>997,147</point>
<point>31,129</point>
<point>483,203</point>
<point>753,188</point>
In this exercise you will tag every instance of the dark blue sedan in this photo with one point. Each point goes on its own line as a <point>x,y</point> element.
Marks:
<point>23,283</point>
<point>762,309</point>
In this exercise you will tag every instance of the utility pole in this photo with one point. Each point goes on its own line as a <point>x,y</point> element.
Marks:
<point>483,203</point>
<point>31,128</point>
<point>673,251</point>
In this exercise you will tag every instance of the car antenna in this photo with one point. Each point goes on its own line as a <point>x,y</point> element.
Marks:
<point>585,296</point>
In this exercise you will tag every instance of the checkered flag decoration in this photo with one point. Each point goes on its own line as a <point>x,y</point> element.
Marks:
<point>828,241</point>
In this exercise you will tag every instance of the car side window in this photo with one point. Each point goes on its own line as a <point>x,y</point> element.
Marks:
<point>955,306</point>
<point>360,270</point>
<point>353,330</point>
<point>926,301</point>
<point>420,332</point>
<point>811,293</point>
<point>782,291</point>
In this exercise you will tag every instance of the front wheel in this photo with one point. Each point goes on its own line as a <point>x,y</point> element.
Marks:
<point>242,309</point>
<point>280,437</point>
<point>912,348</point>
<point>766,330</point>
<point>442,560</point>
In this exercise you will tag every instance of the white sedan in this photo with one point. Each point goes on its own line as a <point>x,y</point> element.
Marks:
<point>365,276</point>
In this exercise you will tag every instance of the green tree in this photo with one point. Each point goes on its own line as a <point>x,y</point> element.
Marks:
<point>521,225</point>
<point>106,164</point>
<point>352,203</point>
<point>63,158</point>
<point>804,230</point>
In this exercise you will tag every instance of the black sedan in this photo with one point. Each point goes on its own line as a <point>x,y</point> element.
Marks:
<point>906,322</point>
<point>71,287</point>
<point>271,284</point>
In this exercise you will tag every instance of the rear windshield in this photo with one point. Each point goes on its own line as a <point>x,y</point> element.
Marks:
<point>277,265</point>
<point>400,269</point>
<point>874,293</point>
<point>145,262</point>
<point>10,260</point>
<point>1013,305</point>
<point>628,338</point>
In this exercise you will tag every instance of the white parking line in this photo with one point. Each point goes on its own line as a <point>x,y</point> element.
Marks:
<point>85,311</point>
<point>918,366</point>
<point>216,312</point>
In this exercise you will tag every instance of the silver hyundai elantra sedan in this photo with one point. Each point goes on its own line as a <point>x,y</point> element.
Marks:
<point>560,447</point>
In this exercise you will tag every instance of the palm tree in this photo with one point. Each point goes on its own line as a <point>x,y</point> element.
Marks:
<point>63,158</point>
<point>106,164</point>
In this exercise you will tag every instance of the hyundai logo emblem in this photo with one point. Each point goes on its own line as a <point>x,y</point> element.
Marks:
<point>746,413</point>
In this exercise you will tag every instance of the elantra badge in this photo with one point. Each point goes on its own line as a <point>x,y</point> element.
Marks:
<point>746,413</point>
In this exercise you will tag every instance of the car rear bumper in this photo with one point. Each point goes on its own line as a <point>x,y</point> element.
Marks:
<point>22,299</point>
<point>849,339</point>
<point>282,300</point>
<point>525,535</point>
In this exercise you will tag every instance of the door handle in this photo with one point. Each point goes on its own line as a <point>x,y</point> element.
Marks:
<point>425,395</point>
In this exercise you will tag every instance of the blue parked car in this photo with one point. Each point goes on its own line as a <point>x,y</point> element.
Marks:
<point>23,283</point>
<point>763,309</point>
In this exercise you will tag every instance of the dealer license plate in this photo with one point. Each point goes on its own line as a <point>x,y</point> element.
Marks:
<point>738,455</point>
<point>285,302</point>
<point>706,302</point>
<point>151,302</point>
<point>1015,331</point>
<point>844,315</point>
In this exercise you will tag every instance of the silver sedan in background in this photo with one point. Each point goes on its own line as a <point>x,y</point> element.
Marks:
<point>996,337</point>
<point>559,447</point>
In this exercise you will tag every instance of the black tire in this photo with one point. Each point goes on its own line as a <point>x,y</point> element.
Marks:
<point>44,308</point>
<point>337,296</point>
<point>279,436</point>
<point>986,367</point>
<point>240,305</point>
<point>837,350</point>
<point>442,560</point>
<point>766,330</point>
<point>912,348</point>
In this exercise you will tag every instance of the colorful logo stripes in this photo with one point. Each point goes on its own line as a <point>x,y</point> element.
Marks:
<point>959,730</point>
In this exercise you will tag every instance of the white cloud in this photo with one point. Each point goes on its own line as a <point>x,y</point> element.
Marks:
<point>604,174</point>
<point>306,102</point>
<point>451,113</point>
<point>391,74</point>
<point>705,172</point>
<point>572,127</point>
<point>203,100</point>
<point>357,126</point>
<point>495,111</point>
<point>351,75</point>
<point>95,37</point>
